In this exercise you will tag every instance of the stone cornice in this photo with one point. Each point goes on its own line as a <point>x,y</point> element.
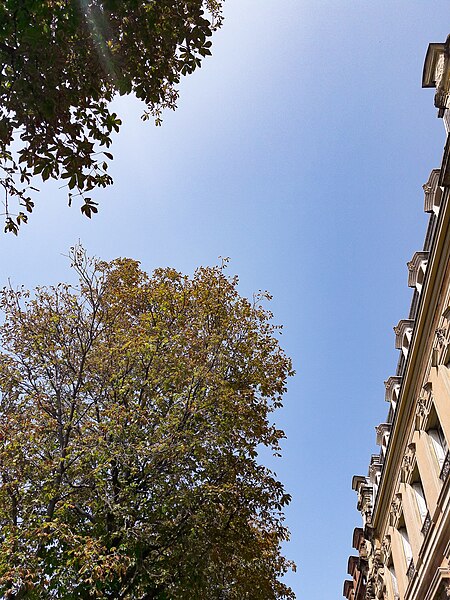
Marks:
<point>358,537</point>
<point>404,327</point>
<point>390,384</point>
<point>414,264</point>
<point>433,193</point>
<point>413,375</point>
<point>436,73</point>
<point>381,430</point>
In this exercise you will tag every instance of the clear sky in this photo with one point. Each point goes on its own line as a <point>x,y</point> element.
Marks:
<point>298,150</point>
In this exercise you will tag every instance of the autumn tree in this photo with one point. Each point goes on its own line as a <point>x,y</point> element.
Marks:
<point>132,410</point>
<point>62,62</point>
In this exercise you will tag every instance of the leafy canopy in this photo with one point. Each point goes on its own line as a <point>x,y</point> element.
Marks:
<point>62,62</point>
<point>131,411</point>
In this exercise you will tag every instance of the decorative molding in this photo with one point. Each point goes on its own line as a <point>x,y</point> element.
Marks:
<point>364,489</point>
<point>392,385</point>
<point>440,343</point>
<point>375,468</point>
<point>353,566</point>
<point>381,430</point>
<point>403,334</point>
<point>445,590</point>
<point>411,570</point>
<point>445,468</point>
<point>358,538</point>
<point>348,589</point>
<point>422,410</point>
<point>386,548</point>
<point>446,120</point>
<point>441,336</point>
<point>433,193</point>
<point>416,269</point>
<point>408,462</point>
<point>395,510</point>
<point>426,524</point>
<point>436,73</point>
<point>444,177</point>
<point>376,587</point>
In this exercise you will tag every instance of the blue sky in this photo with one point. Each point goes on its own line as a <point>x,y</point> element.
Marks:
<point>299,151</point>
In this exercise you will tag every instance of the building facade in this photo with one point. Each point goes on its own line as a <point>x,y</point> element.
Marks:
<point>402,550</point>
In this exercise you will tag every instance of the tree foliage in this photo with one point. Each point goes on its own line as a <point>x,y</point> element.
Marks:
<point>62,62</point>
<point>132,409</point>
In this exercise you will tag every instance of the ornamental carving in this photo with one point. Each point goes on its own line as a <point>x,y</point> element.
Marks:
<point>421,412</point>
<point>440,343</point>
<point>416,268</point>
<point>408,461</point>
<point>396,509</point>
<point>442,97</point>
<point>433,192</point>
<point>437,74</point>
<point>365,495</point>
<point>392,386</point>
<point>403,333</point>
<point>376,588</point>
<point>440,336</point>
<point>421,408</point>
<point>386,547</point>
<point>445,590</point>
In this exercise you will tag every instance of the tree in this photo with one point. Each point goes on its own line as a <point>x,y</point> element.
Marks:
<point>62,62</point>
<point>132,410</point>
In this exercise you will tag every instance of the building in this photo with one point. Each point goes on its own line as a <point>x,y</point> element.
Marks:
<point>402,550</point>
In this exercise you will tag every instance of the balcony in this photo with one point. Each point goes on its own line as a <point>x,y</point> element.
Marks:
<point>426,524</point>
<point>411,570</point>
<point>445,467</point>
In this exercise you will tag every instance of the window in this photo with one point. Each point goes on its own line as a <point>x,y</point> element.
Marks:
<point>406,545</point>
<point>420,500</point>
<point>439,444</point>
<point>436,437</point>
<point>394,581</point>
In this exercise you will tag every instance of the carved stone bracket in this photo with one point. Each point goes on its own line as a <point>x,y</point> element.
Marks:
<point>436,74</point>
<point>422,411</point>
<point>376,588</point>
<point>439,343</point>
<point>441,336</point>
<point>364,489</point>
<point>382,430</point>
<point>375,468</point>
<point>403,333</point>
<point>433,193</point>
<point>408,462</point>
<point>395,510</point>
<point>416,269</point>
<point>386,548</point>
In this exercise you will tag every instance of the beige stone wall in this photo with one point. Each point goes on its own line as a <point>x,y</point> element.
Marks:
<point>405,499</point>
